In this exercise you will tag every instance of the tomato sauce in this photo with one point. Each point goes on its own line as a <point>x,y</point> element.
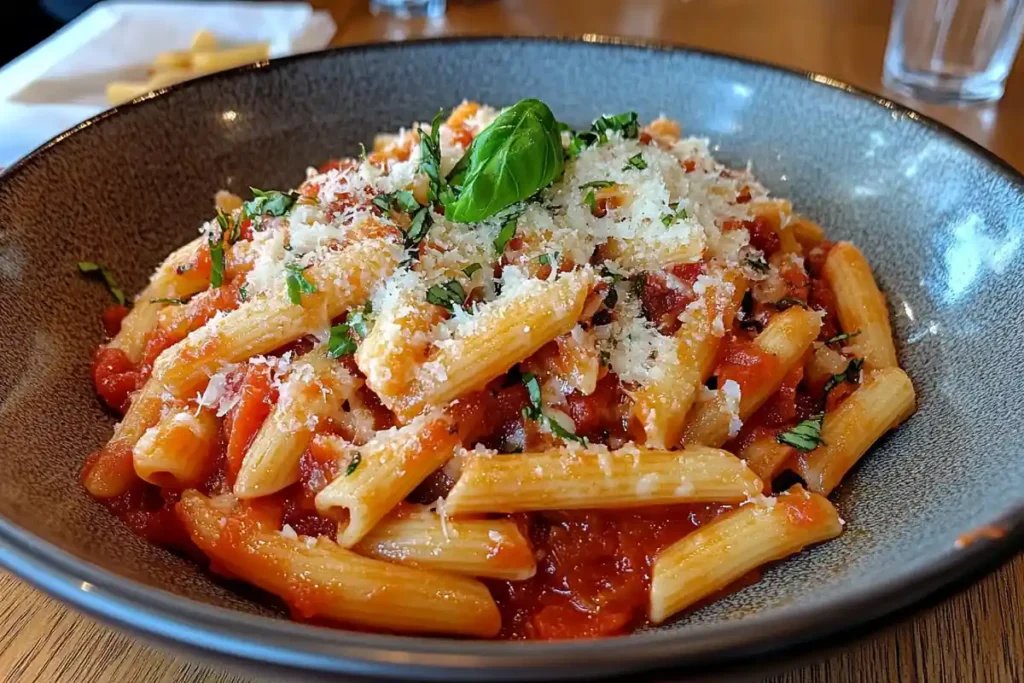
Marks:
<point>743,362</point>
<point>593,570</point>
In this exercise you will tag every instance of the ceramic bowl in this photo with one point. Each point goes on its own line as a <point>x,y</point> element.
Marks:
<point>940,219</point>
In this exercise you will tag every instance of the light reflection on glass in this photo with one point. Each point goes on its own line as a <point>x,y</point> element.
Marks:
<point>230,116</point>
<point>971,251</point>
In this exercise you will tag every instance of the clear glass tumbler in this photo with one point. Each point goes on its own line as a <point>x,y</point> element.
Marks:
<point>951,51</point>
<point>405,9</point>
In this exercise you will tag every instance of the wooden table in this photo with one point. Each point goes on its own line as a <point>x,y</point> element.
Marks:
<point>977,635</point>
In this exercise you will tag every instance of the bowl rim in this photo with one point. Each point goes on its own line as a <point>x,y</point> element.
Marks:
<point>239,636</point>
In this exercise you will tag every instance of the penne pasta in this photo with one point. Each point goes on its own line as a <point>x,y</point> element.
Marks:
<point>341,280</point>
<point>567,479</point>
<point>419,537</point>
<point>381,473</point>
<point>861,306</point>
<point>228,58</point>
<point>179,450</point>
<point>766,457</point>
<point>317,578</point>
<point>885,399</point>
<point>720,553</point>
<point>786,339</point>
<point>315,389</point>
<point>499,336</point>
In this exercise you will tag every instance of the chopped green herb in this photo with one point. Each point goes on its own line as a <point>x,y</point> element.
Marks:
<point>402,200</point>
<point>580,141</point>
<point>353,465</point>
<point>636,161</point>
<point>471,268</point>
<point>360,321</point>
<point>341,342</point>
<point>851,374</point>
<point>418,229</point>
<point>842,337</point>
<point>217,265</point>
<point>430,158</point>
<point>176,302</point>
<point>544,259</point>
<point>535,410</point>
<point>590,201</point>
<point>789,302</point>
<point>804,437</point>
<point>677,214</point>
<point>228,228</point>
<point>297,283</point>
<point>269,203</point>
<point>507,232</point>
<point>447,295</point>
<point>597,184</point>
<point>626,123</point>
<point>243,292</point>
<point>758,264</point>
<point>88,268</point>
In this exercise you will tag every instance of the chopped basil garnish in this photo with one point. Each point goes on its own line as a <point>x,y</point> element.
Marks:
<point>507,232</point>
<point>447,295</point>
<point>228,228</point>
<point>544,259</point>
<point>243,292</point>
<point>401,200</point>
<point>353,464</point>
<point>418,229</point>
<point>341,342</point>
<point>804,437</point>
<point>535,410</point>
<point>678,213</point>
<point>636,161</point>
<point>430,158</point>
<point>758,264</point>
<point>176,302</point>
<point>471,268</point>
<point>89,268</point>
<point>269,203</point>
<point>580,141</point>
<point>851,374</point>
<point>590,201</point>
<point>297,283</point>
<point>217,265</point>
<point>626,123</point>
<point>789,302</point>
<point>360,321</point>
<point>517,155</point>
<point>842,337</point>
<point>597,184</point>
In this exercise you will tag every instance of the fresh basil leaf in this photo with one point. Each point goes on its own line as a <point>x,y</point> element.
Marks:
<point>341,342</point>
<point>510,160</point>
<point>507,232</point>
<point>430,158</point>
<point>851,374</point>
<point>353,465</point>
<point>448,295</point>
<point>243,293</point>
<point>401,200</point>
<point>297,283</point>
<point>228,228</point>
<point>581,141</point>
<point>217,265</point>
<point>626,123</point>
<point>804,437</point>
<point>597,184</point>
<point>269,203</point>
<point>758,264</point>
<point>535,410</point>
<point>842,337</point>
<point>418,229</point>
<point>544,259</point>
<point>175,302</point>
<point>471,268</point>
<point>590,201</point>
<point>789,302</point>
<point>88,268</point>
<point>636,161</point>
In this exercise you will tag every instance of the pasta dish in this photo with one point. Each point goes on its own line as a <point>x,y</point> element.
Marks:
<point>496,377</point>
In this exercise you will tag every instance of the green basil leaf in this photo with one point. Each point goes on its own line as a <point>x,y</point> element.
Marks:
<point>636,161</point>
<point>626,123</point>
<point>597,184</point>
<point>842,337</point>
<point>517,155</point>
<point>175,302</point>
<point>243,292</point>
<point>804,437</point>
<point>341,342</point>
<point>217,265</point>
<point>418,229</point>
<point>581,141</point>
<point>535,411</point>
<point>402,200</point>
<point>507,232</point>
<point>88,268</point>
<point>544,259</point>
<point>269,203</point>
<point>471,268</point>
<point>353,465</point>
<point>590,201</point>
<point>430,158</point>
<point>297,283</point>
<point>851,374</point>
<point>448,295</point>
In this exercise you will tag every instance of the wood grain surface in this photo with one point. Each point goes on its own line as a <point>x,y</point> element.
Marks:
<point>976,635</point>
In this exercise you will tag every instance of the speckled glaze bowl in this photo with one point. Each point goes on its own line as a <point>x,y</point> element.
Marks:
<point>941,221</point>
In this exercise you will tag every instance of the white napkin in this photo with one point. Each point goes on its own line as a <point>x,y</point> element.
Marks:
<point>61,82</point>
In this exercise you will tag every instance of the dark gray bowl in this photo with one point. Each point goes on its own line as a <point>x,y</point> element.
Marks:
<point>939,218</point>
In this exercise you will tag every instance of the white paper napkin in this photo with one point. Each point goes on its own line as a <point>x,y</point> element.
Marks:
<point>61,82</point>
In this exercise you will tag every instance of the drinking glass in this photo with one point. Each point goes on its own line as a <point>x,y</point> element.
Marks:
<point>953,50</point>
<point>405,9</point>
